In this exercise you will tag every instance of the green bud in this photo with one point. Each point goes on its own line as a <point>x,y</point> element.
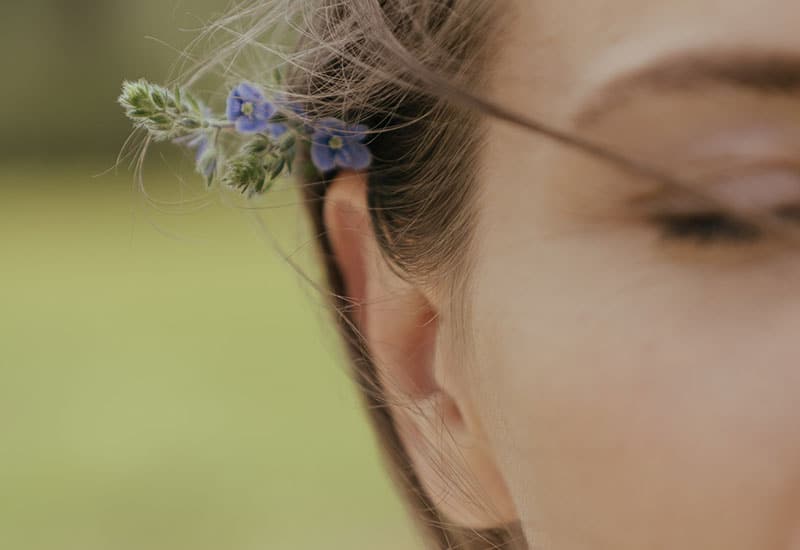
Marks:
<point>245,173</point>
<point>159,98</point>
<point>178,98</point>
<point>190,123</point>
<point>277,168</point>
<point>279,118</point>
<point>161,112</point>
<point>288,142</point>
<point>259,145</point>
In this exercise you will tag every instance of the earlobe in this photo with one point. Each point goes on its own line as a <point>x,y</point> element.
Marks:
<point>401,325</point>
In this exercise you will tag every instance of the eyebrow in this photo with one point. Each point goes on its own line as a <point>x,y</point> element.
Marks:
<point>774,73</point>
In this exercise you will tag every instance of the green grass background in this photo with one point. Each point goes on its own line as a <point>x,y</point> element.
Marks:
<point>167,382</point>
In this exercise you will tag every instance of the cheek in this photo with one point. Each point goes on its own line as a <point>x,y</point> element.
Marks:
<point>635,406</point>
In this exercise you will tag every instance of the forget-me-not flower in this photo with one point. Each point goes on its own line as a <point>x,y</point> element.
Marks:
<point>249,109</point>
<point>336,144</point>
<point>286,106</point>
<point>200,143</point>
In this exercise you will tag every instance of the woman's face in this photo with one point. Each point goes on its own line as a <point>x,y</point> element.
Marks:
<point>642,392</point>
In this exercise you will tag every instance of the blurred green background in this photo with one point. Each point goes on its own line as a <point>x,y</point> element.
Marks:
<point>166,380</point>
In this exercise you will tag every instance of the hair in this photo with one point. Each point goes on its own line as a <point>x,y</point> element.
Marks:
<point>385,63</point>
<point>413,71</point>
<point>422,182</point>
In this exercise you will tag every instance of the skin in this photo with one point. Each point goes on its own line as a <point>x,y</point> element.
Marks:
<point>637,393</point>
<point>615,390</point>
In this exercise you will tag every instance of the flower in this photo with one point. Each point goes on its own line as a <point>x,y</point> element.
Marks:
<point>336,144</point>
<point>205,158</point>
<point>249,109</point>
<point>274,129</point>
<point>277,129</point>
<point>290,110</point>
<point>197,141</point>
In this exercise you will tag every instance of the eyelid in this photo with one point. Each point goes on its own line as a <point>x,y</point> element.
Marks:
<point>758,187</point>
<point>759,191</point>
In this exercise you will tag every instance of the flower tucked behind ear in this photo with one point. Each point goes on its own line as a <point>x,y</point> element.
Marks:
<point>249,109</point>
<point>336,144</point>
<point>274,131</point>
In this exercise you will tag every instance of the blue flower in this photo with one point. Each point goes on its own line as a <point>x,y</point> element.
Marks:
<point>336,144</point>
<point>198,142</point>
<point>277,129</point>
<point>249,109</point>
<point>206,165</point>
<point>284,104</point>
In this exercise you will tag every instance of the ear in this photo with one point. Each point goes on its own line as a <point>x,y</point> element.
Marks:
<point>402,326</point>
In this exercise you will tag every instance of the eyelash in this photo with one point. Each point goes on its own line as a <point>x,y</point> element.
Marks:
<point>709,228</point>
<point>706,228</point>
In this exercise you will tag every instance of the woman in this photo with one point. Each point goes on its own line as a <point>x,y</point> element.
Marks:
<point>566,277</point>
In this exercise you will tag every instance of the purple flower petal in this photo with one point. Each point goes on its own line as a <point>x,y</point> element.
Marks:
<point>357,132</point>
<point>201,148</point>
<point>331,126</point>
<point>342,158</point>
<point>355,155</point>
<point>234,110</point>
<point>352,153</point>
<point>247,125</point>
<point>248,92</point>
<point>322,157</point>
<point>197,141</point>
<point>336,127</point>
<point>264,110</point>
<point>321,136</point>
<point>276,130</point>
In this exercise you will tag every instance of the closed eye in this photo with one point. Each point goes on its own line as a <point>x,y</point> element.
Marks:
<point>712,227</point>
<point>706,228</point>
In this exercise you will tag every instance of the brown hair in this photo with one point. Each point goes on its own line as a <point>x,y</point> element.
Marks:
<point>413,71</point>
<point>422,180</point>
<point>377,62</point>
